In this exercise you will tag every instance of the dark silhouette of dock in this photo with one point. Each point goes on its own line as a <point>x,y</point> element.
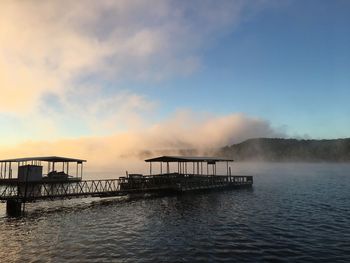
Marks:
<point>32,185</point>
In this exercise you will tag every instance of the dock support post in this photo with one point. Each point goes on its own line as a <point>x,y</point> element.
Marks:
<point>14,207</point>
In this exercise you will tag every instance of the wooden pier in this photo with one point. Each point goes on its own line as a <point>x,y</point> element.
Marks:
<point>31,188</point>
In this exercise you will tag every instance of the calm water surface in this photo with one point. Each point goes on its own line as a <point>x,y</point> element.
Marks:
<point>295,212</point>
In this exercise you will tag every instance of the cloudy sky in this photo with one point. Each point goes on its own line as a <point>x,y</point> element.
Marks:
<point>90,77</point>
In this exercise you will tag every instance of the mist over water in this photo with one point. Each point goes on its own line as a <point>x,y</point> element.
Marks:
<point>295,212</point>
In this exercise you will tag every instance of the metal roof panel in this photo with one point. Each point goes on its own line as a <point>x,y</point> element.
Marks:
<point>44,159</point>
<point>188,159</point>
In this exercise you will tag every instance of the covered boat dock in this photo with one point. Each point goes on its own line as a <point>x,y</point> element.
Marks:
<point>181,174</point>
<point>188,173</point>
<point>41,168</point>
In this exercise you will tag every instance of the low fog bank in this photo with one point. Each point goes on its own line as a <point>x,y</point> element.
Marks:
<point>107,160</point>
<point>185,133</point>
<point>113,156</point>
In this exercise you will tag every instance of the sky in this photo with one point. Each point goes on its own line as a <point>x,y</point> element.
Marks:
<point>115,78</point>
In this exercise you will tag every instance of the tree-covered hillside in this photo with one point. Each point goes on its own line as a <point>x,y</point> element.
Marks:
<point>266,149</point>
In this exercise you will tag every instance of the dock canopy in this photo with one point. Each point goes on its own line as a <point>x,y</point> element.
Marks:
<point>55,159</point>
<point>169,159</point>
<point>189,164</point>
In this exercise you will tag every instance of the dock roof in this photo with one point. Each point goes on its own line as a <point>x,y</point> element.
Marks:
<point>44,159</point>
<point>188,159</point>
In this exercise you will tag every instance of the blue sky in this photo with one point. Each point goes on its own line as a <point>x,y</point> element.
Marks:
<point>126,66</point>
<point>289,65</point>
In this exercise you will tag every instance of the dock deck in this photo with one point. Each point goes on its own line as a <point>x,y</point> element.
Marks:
<point>34,191</point>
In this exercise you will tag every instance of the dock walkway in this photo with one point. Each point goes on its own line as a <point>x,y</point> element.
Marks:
<point>34,191</point>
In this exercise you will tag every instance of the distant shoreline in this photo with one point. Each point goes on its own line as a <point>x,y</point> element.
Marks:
<point>289,150</point>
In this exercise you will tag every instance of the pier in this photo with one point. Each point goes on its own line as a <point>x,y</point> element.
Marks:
<point>31,184</point>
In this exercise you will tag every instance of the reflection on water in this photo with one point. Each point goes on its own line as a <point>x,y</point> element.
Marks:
<point>294,212</point>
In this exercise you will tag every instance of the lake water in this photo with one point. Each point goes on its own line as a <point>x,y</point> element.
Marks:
<point>294,212</point>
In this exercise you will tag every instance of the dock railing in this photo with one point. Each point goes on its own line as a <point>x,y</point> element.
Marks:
<point>32,191</point>
<point>49,190</point>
